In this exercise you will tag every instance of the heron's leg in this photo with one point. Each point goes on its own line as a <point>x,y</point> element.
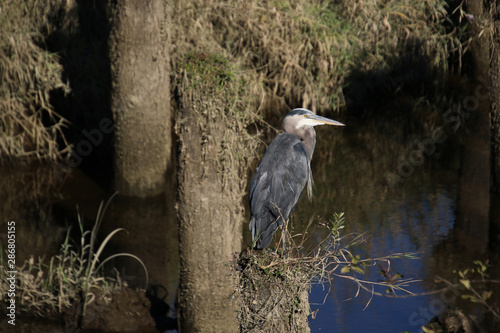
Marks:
<point>283,235</point>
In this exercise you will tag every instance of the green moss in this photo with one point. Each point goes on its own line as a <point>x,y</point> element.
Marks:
<point>207,70</point>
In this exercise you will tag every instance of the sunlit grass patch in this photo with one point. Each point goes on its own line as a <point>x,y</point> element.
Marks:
<point>303,51</point>
<point>72,277</point>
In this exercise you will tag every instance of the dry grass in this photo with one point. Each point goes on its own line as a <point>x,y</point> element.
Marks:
<point>273,287</point>
<point>302,51</point>
<point>28,73</point>
<point>289,53</point>
<point>273,296</point>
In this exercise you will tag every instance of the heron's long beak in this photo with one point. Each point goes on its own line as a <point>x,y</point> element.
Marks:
<point>324,121</point>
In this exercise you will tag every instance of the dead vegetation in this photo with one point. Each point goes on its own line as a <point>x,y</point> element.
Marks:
<point>302,51</point>
<point>289,53</point>
<point>273,286</point>
<point>30,127</point>
<point>273,296</point>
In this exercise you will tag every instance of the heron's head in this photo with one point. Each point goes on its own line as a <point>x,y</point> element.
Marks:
<point>298,118</point>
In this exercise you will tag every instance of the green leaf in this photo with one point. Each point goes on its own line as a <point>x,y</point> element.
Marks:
<point>470,298</point>
<point>464,273</point>
<point>345,270</point>
<point>487,294</point>
<point>358,269</point>
<point>466,283</point>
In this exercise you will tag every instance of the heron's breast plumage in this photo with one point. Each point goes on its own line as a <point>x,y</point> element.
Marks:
<point>277,183</point>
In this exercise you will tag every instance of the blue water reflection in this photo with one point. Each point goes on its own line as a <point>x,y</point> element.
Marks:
<point>415,224</point>
<point>415,215</point>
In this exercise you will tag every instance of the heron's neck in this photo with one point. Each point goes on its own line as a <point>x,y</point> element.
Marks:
<point>308,136</point>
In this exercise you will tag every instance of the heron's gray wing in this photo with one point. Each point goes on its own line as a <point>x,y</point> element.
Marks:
<point>276,186</point>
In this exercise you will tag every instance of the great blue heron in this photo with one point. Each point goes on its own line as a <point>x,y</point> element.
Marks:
<point>283,173</point>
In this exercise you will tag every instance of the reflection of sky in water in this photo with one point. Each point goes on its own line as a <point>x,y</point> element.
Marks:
<point>414,217</point>
<point>415,224</point>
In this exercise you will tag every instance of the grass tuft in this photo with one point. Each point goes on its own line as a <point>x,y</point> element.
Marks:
<point>71,277</point>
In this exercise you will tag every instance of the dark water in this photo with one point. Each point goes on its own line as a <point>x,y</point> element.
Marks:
<point>416,214</point>
<point>416,222</point>
<point>352,169</point>
<point>45,201</point>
